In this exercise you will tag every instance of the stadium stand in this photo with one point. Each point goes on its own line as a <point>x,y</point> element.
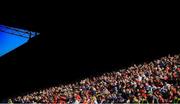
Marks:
<point>155,82</point>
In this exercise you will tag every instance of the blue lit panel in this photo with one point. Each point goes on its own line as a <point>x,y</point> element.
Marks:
<point>12,38</point>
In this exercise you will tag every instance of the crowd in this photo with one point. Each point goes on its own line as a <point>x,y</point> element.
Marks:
<point>155,82</point>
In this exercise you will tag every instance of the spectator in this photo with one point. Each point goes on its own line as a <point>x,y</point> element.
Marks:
<point>154,82</point>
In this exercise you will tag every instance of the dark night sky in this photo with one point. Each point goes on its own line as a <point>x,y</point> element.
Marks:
<point>80,44</point>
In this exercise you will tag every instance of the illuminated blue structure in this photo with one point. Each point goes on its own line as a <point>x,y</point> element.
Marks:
<point>12,38</point>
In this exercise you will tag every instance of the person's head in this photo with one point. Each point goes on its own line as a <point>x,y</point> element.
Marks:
<point>75,94</point>
<point>170,93</point>
<point>178,93</point>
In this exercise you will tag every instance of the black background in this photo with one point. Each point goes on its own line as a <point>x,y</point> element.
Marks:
<point>77,43</point>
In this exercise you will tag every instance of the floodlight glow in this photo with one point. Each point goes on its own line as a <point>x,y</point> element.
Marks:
<point>12,38</point>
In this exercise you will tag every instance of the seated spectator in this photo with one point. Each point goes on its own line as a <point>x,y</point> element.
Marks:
<point>154,82</point>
